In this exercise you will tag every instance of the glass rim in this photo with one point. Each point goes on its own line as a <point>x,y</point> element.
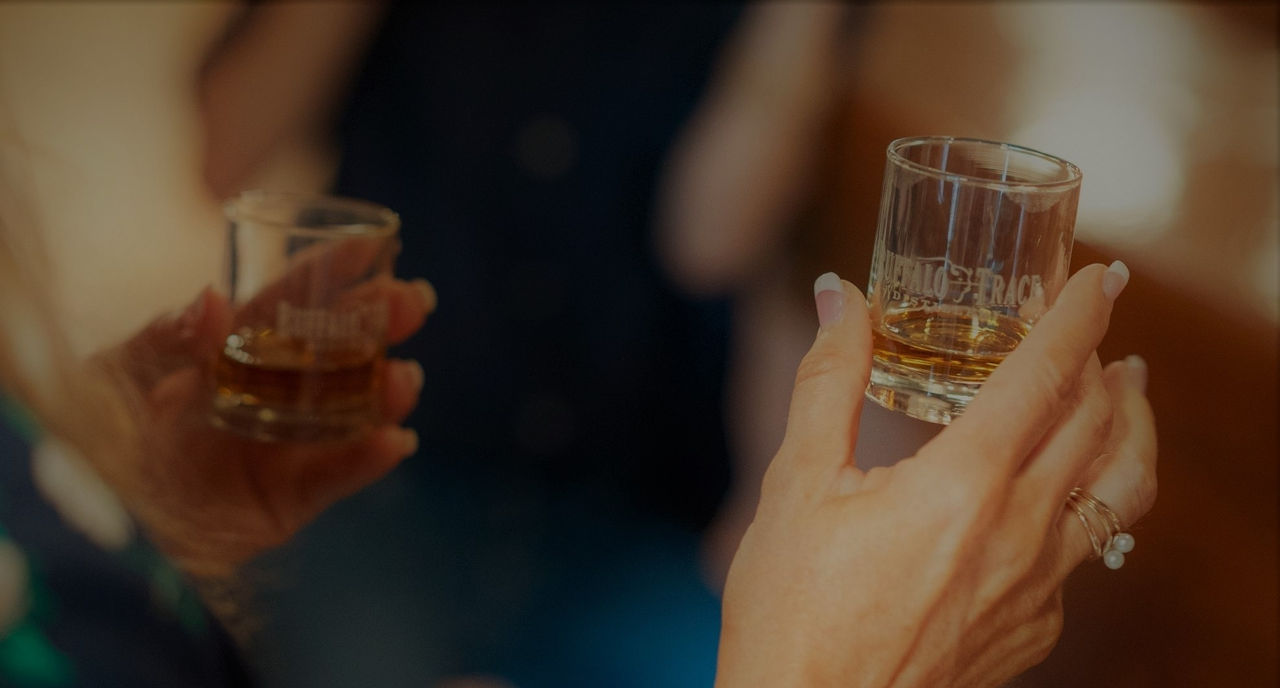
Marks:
<point>895,156</point>
<point>251,206</point>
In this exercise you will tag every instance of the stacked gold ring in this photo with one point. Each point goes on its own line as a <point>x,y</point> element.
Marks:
<point>1117,542</point>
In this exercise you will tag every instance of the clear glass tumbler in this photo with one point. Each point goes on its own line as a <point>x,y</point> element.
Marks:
<point>307,278</point>
<point>973,245</point>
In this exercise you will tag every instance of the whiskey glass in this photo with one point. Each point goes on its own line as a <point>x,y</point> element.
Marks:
<point>307,278</point>
<point>972,246</point>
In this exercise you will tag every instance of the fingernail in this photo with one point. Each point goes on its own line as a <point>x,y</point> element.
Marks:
<point>408,440</point>
<point>828,294</point>
<point>428,294</point>
<point>1137,372</point>
<point>415,374</point>
<point>1113,281</point>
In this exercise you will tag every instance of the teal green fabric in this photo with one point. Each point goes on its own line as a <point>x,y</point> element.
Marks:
<point>27,658</point>
<point>88,616</point>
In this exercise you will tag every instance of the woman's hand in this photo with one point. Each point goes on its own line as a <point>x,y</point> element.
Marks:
<point>945,569</point>
<point>211,500</point>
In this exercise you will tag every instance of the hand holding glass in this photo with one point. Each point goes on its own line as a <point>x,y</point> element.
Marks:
<point>307,278</point>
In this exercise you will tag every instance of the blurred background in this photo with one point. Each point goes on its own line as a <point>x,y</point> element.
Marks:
<point>623,208</point>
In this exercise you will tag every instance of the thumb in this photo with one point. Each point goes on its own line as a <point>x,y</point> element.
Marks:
<point>173,342</point>
<point>831,382</point>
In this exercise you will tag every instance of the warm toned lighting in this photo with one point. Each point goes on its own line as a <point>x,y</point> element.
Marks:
<point>1107,86</point>
<point>1132,161</point>
<point>1171,111</point>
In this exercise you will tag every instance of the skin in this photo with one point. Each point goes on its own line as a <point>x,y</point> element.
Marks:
<point>741,168</point>
<point>212,500</point>
<point>946,568</point>
<point>275,79</point>
<point>943,570</point>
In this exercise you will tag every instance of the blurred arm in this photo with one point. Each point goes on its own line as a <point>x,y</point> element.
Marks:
<point>741,167</point>
<point>277,74</point>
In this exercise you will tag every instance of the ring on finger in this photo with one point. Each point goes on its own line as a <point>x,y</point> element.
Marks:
<point>1117,542</point>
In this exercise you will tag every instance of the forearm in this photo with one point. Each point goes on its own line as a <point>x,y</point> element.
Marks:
<point>742,166</point>
<point>280,71</point>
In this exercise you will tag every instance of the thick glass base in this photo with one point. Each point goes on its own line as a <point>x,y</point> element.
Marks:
<point>927,399</point>
<point>268,424</point>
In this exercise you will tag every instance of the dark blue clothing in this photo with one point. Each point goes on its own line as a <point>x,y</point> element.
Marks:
<point>95,617</point>
<point>571,425</point>
<point>521,144</point>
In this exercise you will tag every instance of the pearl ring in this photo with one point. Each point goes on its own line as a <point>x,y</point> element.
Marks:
<point>1117,544</point>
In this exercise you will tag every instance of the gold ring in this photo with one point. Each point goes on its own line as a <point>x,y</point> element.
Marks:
<point>1117,543</point>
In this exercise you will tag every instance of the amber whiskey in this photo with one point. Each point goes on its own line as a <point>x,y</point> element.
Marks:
<point>282,387</point>
<point>930,362</point>
<point>957,345</point>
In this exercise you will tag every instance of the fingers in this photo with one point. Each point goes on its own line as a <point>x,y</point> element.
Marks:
<point>173,342</point>
<point>194,336</point>
<point>171,395</point>
<point>1124,476</point>
<point>402,383</point>
<point>1022,641</point>
<point>339,473</point>
<point>409,304</point>
<point>320,273</point>
<point>174,395</point>
<point>346,470</point>
<point>1025,396</point>
<point>1056,465</point>
<point>831,381</point>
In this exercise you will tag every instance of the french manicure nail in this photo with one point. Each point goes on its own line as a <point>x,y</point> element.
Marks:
<point>1114,279</point>
<point>1137,372</point>
<point>828,294</point>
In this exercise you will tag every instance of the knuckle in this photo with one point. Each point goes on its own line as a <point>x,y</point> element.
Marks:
<point>1048,631</point>
<point>1054,377</point>
<point>952,501</point>
<point>956,492</point>
<point>1054,618</point>
<point>1100,414</point>
<point>877,477</point>
<point>773,481</point>
<point>817,365</point>
<point>781,486</point>
<point>965,505</point>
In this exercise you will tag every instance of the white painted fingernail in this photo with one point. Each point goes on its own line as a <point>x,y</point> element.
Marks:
<point>1137,372</point>
<point>828,295</point>
<point>1113,281</point>
<point>827,281</point>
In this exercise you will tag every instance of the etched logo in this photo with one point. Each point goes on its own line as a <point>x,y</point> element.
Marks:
<point>326,328</point>
<point>925,281</point>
